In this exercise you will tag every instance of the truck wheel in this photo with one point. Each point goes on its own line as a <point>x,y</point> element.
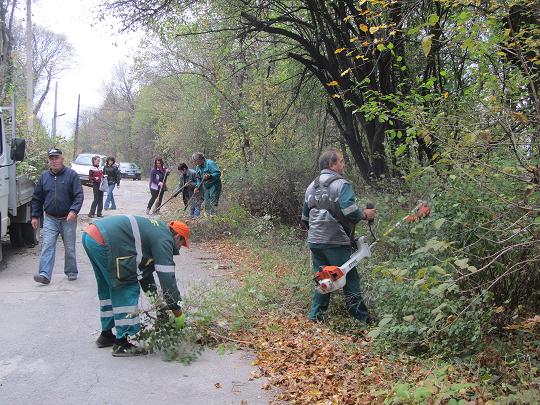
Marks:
<point>15,235</point>
<point>29,235</point>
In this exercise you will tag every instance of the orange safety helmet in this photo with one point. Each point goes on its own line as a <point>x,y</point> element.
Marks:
<point>181,229</point>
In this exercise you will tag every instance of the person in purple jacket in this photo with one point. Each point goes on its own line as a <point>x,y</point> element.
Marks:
<point>157,182</point>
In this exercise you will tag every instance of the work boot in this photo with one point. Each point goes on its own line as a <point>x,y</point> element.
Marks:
<point>128,350</point>
<point>38,278</point>
<point>106,339</point>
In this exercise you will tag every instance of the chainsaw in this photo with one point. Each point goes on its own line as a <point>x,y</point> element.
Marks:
<point>333,278</point>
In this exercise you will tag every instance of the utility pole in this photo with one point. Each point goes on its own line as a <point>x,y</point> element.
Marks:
<point>29,69</point>
<point>55,112</point>
<point>76,136</point>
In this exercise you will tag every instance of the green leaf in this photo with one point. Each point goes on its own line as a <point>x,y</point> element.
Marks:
<point>426,44</point>
<point>421,394</point>
<point>438,223</point>
<point>469,138</point>
<point>462,263</point>
<point>384,321</point>
<point>414,30</point>
<point>374,333</point>
<point>408,318</point>
<point>438,270</point>
<point>381,47</point>
<point>402,391</point>
<point>420,282</point>
<point>401,149</point>
<point>463,17</point>
<point>433,19</point>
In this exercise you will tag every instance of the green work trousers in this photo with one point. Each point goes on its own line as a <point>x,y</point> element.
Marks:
<point>336,256</point>
<point>211,197</point>
<point>118,306</point>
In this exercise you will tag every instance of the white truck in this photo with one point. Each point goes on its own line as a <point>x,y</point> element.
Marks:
<point>15,191</point>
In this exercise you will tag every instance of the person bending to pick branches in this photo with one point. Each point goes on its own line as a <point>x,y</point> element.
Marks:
<point>123,250</point>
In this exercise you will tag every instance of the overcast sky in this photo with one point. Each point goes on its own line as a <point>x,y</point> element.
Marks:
<point>97,49</point>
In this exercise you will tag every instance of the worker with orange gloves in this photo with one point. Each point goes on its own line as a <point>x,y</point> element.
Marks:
<point>124,250</point>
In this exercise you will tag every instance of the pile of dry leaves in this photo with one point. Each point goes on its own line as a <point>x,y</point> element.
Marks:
<point>311,364</point>
<point>314,365</point>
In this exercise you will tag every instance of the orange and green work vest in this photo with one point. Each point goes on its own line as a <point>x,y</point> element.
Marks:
<point>138,246</point>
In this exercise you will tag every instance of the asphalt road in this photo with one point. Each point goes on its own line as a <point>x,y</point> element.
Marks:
<point>47,334</point>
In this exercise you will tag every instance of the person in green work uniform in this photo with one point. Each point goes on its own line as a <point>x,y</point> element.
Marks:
<point>208,177</point>
<point>124,250</point>
<point>331,214</point>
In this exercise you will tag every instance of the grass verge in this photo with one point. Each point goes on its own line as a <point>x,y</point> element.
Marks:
<point>262,302</point>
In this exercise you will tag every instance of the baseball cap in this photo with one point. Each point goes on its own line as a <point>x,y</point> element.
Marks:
<point>181,229</point>
<point>54,152</point>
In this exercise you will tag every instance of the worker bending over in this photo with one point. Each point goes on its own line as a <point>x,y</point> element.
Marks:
<point>123,250</point>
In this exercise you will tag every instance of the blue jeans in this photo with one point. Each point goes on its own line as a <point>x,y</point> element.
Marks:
<point>110,198</point>
<point>52,227</point>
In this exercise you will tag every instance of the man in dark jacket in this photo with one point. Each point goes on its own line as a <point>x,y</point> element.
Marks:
<point>59,195</point>
<point>188,179</point>
<point>331,213</point>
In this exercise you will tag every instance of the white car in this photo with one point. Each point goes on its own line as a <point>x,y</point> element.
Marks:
<point>83,164</point>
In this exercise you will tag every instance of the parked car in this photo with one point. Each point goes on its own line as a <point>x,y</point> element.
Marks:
<point>129,170</point>
<point>83,164</point>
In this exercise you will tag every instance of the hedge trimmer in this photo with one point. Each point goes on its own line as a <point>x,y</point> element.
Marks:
<point>333,278</point>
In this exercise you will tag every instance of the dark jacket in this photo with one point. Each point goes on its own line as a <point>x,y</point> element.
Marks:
<point>113,174</point>
<point>189,177</point>
<point>57,194</point>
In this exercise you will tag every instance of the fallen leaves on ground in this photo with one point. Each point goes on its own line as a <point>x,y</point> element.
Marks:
<point>312,364</point>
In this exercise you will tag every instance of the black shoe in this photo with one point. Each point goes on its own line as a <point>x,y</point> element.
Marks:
<point>106,340</point>
<point>371,320</point>
<point>72,276</point>
<point>100,215</point>
<point>128,350</point>
<point>90,215</point>
<point>38,278</point>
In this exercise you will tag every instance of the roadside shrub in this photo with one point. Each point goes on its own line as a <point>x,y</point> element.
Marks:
<point>276,191</point>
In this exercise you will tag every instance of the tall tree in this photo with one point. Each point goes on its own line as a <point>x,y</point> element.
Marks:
<point>7,21</point>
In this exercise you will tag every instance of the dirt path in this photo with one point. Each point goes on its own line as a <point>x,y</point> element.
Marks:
<point>47,334</point>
